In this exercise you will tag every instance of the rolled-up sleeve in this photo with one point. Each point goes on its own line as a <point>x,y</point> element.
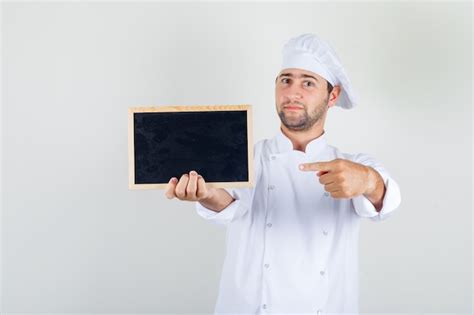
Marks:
<point>391,200</point>
<point>225,216</point>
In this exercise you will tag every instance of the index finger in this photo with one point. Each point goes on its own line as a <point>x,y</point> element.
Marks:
<point>202,188</point>
<point>317,166</point>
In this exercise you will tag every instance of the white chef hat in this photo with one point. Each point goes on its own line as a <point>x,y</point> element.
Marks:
<point>311,53</point>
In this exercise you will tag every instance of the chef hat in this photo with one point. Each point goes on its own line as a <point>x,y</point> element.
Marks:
<point>311,53</point>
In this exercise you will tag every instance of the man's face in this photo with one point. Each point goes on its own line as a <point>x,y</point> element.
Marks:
<point>301,98</point>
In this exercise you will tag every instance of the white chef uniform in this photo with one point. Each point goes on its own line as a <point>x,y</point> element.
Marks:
<point>291,247</point>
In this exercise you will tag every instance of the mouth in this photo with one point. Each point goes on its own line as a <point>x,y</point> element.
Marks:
<point>292,107</point>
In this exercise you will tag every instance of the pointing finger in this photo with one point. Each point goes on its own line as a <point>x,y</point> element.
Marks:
<point>317,166</point>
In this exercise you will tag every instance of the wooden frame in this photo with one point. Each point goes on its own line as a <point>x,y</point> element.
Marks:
<point>194,108</point>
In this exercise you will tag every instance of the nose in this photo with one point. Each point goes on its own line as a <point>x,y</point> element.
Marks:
<point>294,92</point>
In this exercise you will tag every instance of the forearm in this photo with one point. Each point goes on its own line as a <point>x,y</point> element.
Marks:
<point>376,189</point>
<point>218,200</point>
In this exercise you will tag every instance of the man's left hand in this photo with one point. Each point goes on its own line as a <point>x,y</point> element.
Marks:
<point>346,179</point>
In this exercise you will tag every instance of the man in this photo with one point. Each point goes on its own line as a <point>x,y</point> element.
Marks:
<point>292,240</point>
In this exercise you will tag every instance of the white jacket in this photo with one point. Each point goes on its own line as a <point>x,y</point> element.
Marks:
<point>291,247</point>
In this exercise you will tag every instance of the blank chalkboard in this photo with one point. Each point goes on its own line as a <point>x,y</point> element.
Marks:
<point>168,141</point>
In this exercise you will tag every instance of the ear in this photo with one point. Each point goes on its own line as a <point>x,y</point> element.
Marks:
<point>334,96</point>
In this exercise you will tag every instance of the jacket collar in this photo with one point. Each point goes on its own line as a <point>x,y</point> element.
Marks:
<point>314,147</point>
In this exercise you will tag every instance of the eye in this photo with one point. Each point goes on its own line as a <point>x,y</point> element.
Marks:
<point>308,83</point>
<point>284,80</point>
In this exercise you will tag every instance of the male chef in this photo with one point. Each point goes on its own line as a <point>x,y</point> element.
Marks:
<point>292,240</point>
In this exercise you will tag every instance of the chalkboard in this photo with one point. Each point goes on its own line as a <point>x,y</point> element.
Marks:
<point>168,141</point>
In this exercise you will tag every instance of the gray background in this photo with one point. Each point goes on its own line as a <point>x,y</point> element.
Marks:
<point>75,239</point>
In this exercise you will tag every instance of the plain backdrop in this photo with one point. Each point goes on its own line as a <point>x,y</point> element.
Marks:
<point>75,239</point>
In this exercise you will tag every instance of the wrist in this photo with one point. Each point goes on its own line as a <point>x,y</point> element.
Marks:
<point>375,191</point>
<point>371,182</point>
<point>211,192</point>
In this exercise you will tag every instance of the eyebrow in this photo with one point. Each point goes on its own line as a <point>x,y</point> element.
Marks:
<point>300,76</point>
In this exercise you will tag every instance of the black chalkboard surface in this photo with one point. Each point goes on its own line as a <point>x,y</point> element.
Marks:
<point>168,141</point>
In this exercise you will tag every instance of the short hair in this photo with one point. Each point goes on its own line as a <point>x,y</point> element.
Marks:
<point>330,87</point>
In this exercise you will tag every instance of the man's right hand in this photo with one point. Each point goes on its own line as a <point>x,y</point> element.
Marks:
<point>190,187</point>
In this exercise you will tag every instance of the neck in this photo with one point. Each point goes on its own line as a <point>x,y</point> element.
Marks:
<point>300,139</point>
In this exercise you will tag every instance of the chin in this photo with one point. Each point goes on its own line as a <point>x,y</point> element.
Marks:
<point>293,118</point>
<point>293,124</point>
<point>296,127</point>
